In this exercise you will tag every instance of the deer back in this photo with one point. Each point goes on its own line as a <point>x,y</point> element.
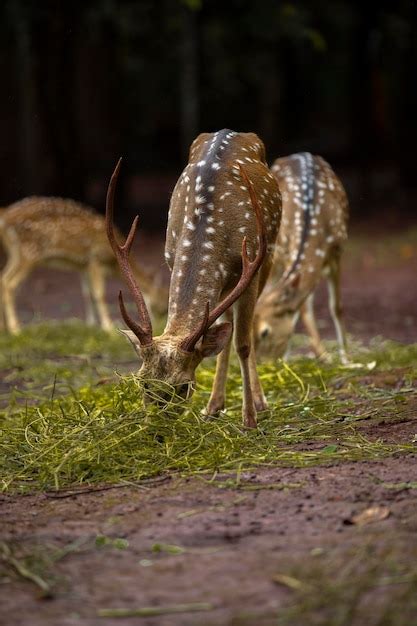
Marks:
<point>210,214</point>
<point>46,228</point>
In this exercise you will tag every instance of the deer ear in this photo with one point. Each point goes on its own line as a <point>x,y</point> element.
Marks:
<point>133,340</point>
<point>215,339</point>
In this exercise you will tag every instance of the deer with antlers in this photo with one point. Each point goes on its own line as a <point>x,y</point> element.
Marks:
<point>225,206</point>
<point>309,245</point>
<point>58,232</point>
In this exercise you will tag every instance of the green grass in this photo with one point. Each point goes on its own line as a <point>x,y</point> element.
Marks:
<point>70,420</point>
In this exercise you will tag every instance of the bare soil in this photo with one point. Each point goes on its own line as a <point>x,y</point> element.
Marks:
<point>235,539</point>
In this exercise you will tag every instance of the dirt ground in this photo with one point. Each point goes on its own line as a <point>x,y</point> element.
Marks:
<point>243,549</point>
<point>235,541</point>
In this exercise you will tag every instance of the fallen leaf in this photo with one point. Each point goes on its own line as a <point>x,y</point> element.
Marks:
<point>329,449</point>
<point>368,516</point>
<point>288,581</point>
<point>167,547</point>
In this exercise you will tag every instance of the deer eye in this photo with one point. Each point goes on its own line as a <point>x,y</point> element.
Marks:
<point>182,390</point>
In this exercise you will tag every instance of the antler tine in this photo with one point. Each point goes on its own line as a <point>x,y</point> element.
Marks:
<point>249,269</point>
<point>143,329</point>
<point>134,326</point>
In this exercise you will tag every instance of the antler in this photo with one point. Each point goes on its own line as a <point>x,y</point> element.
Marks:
<point>143,328</point>
<point>249,269</point>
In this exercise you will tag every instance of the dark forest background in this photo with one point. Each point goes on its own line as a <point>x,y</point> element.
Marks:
<point>84,82</point>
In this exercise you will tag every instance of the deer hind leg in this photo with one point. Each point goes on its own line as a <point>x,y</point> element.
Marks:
<point>309,321</point>
<point>14,273</point>
<point>218,392</point>
<point>86,289</point>
<point>244,310</point>
<point>335,307</point>
<point>98,282</point>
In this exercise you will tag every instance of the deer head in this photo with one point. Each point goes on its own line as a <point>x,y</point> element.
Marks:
<point>276,315</point>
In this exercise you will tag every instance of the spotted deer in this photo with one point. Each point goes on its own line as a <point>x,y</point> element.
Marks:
<point>225,208</point>
<point>57,232</point>
<point>309,244</point>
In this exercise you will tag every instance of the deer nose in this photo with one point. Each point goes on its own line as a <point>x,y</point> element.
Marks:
<point>162,396</point>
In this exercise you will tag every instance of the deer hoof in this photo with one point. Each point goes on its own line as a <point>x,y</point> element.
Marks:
<point>261,405</point>
<point>249,421</point>
<point>325,357</point>
<point>212,410</point>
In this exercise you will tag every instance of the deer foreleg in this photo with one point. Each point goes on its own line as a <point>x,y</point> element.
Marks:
<point>335,306</point>
<point>90,317</point>
<point>97,281</point>
<point>13,275</point>
<point>309,321</point>
<point>259,399</point>
<point>245,307</point>
<point>218,392</point>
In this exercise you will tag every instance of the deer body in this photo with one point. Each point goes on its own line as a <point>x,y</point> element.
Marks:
<point>215,205</point>
<point>309,244</point>
<point>60,233</point>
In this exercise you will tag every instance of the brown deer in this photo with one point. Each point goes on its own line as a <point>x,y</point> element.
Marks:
<point>220,212</point>
<point>309,244</point>
<point>57,232</point>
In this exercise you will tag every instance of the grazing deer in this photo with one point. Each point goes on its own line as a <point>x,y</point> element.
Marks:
<point>219,214</point>
<point>60,233</point>
<point>313,229</point>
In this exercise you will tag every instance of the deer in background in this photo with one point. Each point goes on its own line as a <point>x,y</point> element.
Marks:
<point>309,244</point>
<point>56,232</point>
<point>225,206</point>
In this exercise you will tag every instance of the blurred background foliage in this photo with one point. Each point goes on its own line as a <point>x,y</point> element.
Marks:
<point>85,82</point>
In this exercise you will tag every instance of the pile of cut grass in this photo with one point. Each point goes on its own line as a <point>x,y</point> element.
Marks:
<point>68,425</point>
